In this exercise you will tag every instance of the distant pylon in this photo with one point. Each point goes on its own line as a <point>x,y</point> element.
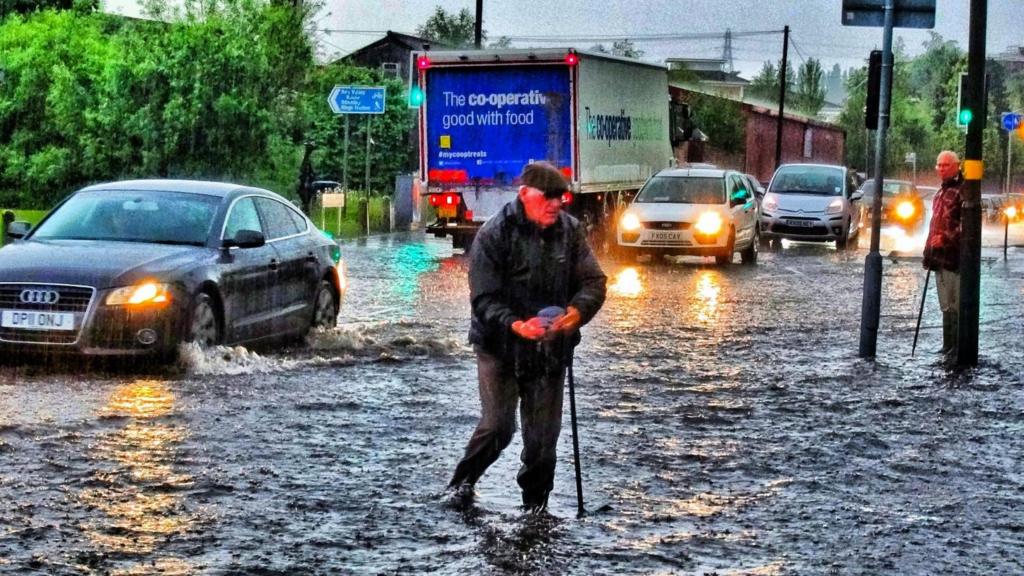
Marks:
<point>727,51</point>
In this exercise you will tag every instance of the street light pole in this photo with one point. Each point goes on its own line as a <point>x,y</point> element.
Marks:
<point>970,214</point>
<point>872,300</point>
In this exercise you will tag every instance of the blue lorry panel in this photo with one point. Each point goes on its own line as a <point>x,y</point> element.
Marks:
<point>485,124</point>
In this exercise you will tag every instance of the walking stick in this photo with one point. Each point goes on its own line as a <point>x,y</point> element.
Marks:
<point>575,439</point>
<point>920,311</point>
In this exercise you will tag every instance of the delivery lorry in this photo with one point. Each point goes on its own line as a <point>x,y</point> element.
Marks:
<point>603,121</point>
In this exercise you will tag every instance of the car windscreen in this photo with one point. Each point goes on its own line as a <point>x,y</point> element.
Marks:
<point>888,189</point>
<point>682,190</point>
<point>813,180</point>
<point>128,216</point>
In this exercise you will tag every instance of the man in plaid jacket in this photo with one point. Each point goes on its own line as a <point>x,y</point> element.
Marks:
<point>942,246</point>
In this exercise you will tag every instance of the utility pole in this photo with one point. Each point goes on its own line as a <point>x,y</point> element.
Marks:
<point>478,29</point>
<point>782,96</point>
<point>872,300</point>
<point>973,168</point>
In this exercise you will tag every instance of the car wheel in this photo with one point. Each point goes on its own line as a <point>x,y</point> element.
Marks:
<point>749,255</point>
<point>325,306</point>
<point>725,257</point>
<point>843,242</point>
<point>203,325</point>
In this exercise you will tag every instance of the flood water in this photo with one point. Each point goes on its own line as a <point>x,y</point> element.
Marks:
<point>726,427</point>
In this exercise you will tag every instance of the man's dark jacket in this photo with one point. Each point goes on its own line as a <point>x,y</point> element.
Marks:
<point>516,268</point>
<point>942,245</point>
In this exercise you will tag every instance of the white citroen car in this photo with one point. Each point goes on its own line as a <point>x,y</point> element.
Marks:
<point>693,212</point>
<point>811,202</point>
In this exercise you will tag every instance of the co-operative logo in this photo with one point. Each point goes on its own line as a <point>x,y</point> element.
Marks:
<point>39,296</point>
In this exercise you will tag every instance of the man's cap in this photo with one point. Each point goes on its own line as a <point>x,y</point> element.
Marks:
<point>544,177</point>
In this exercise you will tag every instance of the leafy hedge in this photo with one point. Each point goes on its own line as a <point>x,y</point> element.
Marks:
<point>89,97</point>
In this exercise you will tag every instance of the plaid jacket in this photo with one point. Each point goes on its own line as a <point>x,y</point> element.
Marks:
<point>942,246</point>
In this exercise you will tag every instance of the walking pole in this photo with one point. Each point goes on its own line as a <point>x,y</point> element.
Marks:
<point>920,311</point>
<point>575,439</point>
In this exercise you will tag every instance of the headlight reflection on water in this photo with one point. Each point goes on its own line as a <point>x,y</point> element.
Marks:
<point>627,283</point>
<point>706,294</point>
<point>136,485</point>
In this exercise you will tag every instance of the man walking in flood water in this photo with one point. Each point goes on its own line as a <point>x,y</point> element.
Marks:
<point>528,260</point>
<point>942,247</point>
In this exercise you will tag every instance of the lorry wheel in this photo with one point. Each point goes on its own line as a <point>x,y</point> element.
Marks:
<point>463,241</point>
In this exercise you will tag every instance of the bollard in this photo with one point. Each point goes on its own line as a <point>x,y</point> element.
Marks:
<point>363,215</point>
<point>387,214</point>
<point>7,220</point>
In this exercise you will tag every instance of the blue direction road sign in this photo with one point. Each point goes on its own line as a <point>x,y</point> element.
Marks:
<point>357,99</point>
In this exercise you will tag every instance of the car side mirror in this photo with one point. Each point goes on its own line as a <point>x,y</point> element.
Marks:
<point>245,239</point>
<point>857,195</point>
<point>18,230</point>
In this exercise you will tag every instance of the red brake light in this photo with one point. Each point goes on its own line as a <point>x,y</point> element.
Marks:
<point>449,199</point>
<point>567,198</point>
<point>469,214</point>
<point>435,200</point>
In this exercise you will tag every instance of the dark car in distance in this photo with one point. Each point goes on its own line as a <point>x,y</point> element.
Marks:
<point>137,267</point>
<point>902,203</point>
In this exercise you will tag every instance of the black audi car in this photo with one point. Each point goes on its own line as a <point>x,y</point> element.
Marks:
<point>137,267</point>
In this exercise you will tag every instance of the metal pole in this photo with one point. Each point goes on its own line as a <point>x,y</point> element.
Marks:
<point>366,194</point>
<point>1009,186</point>
<point>782,96</point>
<point>970,223</point>
<point>344,168</point>
<point>872,299</point>
<point>478,29</point>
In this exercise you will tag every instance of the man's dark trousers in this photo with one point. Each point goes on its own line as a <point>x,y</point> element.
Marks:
<point>541,414</point>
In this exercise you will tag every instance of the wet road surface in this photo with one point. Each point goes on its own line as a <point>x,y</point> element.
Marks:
<point>726,427</point>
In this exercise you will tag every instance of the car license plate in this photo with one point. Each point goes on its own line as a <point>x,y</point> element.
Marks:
<point>446,212</point>
<point>658,235</point>
<point>36,320</point>
<point>800,223</point>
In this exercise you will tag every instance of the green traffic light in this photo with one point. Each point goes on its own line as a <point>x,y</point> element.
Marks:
<point>966,116</point>
<point>415,96</point>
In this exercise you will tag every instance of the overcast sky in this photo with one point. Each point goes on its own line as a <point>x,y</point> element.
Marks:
<point>814,24</point>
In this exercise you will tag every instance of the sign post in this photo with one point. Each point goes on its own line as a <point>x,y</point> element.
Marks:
<point>887,14</point>
<point>358,100</point>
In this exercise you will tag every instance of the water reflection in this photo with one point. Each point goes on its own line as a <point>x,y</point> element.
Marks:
<point>627,283</point>
<point>706,293</point>
<point>136,487</point>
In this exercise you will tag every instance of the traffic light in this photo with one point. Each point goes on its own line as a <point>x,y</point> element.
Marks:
<point>415,96</point>
<point>966,110</point>
<point>964,114</point>
<point>874,89</point>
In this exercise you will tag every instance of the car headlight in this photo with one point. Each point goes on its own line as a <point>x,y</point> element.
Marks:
<point>835,206</point>
<point>140,294</point>
<point>770,203</point>
<point>905,210</point>
<point>709,223</point>
<point>630,222</point>
<point>1011,212</point>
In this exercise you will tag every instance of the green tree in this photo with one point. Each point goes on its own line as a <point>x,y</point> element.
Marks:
<point>809,91</point>
<point>455,30</point>
<point>765,86</point>
<point>624,48</point>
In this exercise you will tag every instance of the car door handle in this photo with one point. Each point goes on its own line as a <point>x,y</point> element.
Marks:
<point>274,264</point>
